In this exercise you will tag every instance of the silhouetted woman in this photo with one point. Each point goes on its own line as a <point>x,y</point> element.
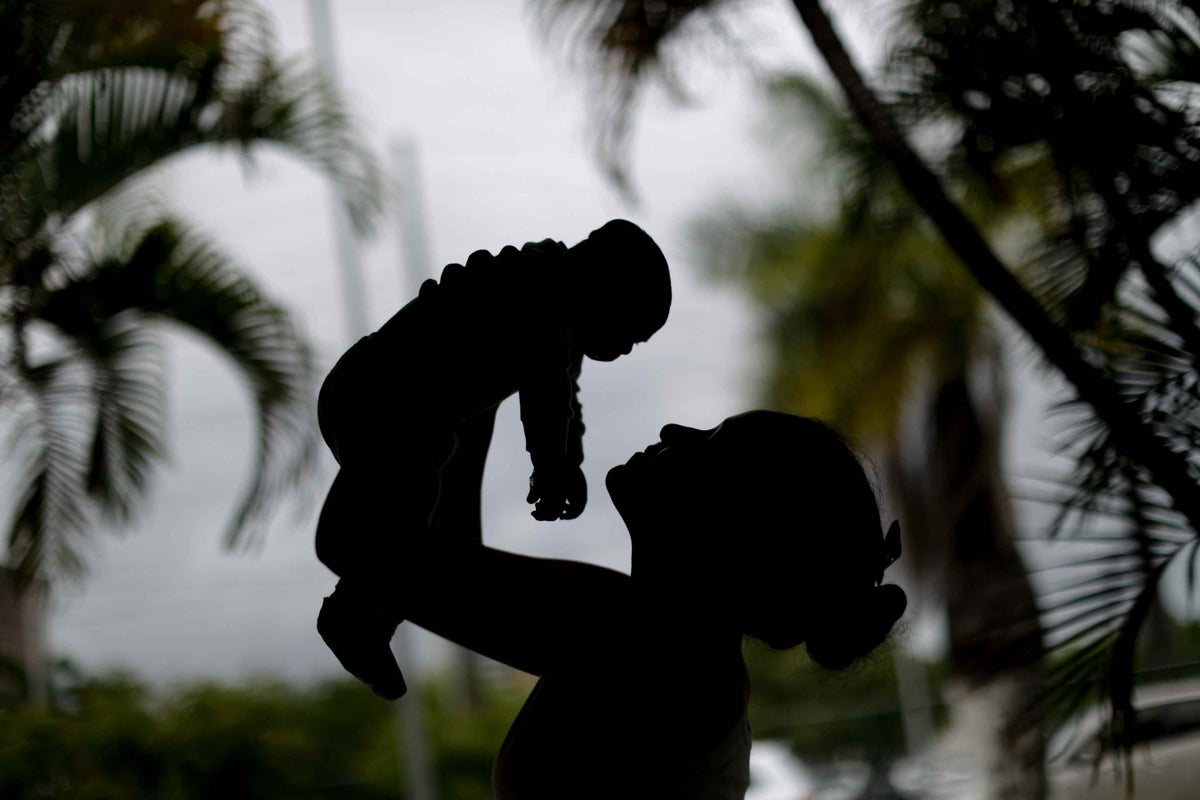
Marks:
<point>765,526</point>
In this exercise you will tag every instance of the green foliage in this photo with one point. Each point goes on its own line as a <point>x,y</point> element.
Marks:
<point>112,738</point>
<point>465,740</point>
<point>828,715</point>
<point>862,298</point>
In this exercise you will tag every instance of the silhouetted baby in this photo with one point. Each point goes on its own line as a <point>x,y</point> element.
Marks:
<point>397,405</point>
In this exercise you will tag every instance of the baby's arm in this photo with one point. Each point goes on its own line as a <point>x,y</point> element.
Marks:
<point>548,413</point>
<point>547,387</point>
<point>575,426</point>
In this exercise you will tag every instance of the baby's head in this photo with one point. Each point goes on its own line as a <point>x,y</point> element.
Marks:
<point>624,289</point>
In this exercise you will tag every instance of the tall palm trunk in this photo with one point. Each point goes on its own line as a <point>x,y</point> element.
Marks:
<point>986,584</point>
<point>959,521</point>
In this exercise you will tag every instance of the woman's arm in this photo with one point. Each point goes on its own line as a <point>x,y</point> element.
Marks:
<point>530,613</point>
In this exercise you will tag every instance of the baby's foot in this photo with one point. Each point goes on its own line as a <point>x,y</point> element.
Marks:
<point>359,632</point>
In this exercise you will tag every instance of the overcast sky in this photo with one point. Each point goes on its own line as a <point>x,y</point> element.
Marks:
<point>500,132</point>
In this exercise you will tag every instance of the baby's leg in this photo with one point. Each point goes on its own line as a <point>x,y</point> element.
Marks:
<point>369,517</point>
<point>369,520</point>
<point>458,515</point>
<point>383,497</point>
<point>384,433</point>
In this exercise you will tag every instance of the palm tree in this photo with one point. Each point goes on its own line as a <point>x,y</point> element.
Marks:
<point>1133,370</point>
<point>870,322</point>
<point>94,95</point>
<point>1035,82</point>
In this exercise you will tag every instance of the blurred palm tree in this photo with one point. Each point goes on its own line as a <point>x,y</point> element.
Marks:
<point>93,95</point>
<point>1102,95</point>
<point>872,325</point>
<point>1115,265</point>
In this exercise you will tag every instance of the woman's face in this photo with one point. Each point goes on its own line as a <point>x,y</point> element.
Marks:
<point>692,461</point>
<point>641,485</point>
<point>675,499</point>
<point>760,517</point>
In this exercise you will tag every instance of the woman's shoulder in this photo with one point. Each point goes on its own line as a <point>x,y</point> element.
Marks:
<point>620,724</point>
<point>707,702</point>
<point>696,690</point>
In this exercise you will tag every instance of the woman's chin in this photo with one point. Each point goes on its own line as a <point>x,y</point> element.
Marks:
<point>621,482</point>
<point>614,478</point>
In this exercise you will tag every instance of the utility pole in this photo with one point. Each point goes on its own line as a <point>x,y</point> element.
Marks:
<point>415,264</point>
<point>354,295</point>
<point>418,774</point>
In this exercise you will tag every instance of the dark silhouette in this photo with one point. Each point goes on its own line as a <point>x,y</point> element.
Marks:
<point>408,412</point>
<point>764,526</point>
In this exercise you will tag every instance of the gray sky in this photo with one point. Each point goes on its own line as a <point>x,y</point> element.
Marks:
<point>500,130</point>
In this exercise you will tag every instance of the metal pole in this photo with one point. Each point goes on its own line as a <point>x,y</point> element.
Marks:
<point>412,723</point>
<point>415,264</point>
<point>418,773</point>
<point>354,295</point>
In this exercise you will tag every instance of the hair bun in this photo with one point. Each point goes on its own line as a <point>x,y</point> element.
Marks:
<point>890,602</point>
<point>854,628</point>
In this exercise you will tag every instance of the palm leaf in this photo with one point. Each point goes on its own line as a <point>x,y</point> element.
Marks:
<point>85,114</point>
<point>1092,620</point>
<point>295,107</point>
<point>128,392</point>
<point>620,45</point>
<point>96,93</point>
<point>107,125</point>
<point>51,516</point>
<point>164,271</point>
<point>49,41</point>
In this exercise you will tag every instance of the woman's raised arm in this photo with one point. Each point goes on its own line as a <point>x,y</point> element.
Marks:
<point>529,613</point>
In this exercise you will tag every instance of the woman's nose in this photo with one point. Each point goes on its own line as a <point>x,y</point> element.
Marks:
<point>673,434</point>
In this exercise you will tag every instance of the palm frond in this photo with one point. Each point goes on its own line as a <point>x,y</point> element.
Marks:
<point>164,271</point>
<point>620,45</point>
<point>128,438</point>
<point>108,125</point>
<point>91,114</point>
<point>1093,615</point>
<point>50,41</point>
<point>293,106</point>
<point>186,280</point>
<point>51,517</point>
<point>94,94</point>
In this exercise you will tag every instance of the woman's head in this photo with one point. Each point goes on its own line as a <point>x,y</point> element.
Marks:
<point>771,515</point>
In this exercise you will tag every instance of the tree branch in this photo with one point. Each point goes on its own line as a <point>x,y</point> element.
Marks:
<point>1133,436</point>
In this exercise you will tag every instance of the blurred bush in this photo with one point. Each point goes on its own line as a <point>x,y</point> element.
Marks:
<point>828,716</point>
<point>113,737</point>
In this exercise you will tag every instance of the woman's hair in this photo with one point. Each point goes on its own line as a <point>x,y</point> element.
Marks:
<point>837,543</point>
